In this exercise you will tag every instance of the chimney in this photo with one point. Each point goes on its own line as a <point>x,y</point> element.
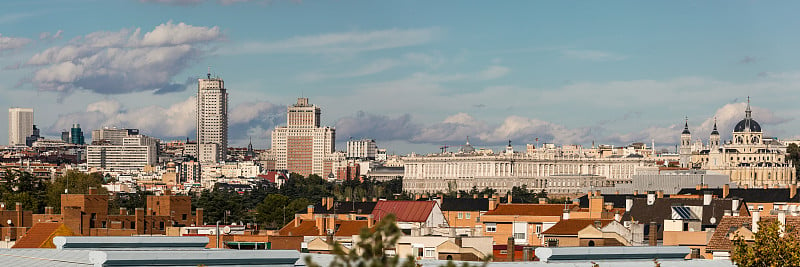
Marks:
<point>628,204</point>
<point>92,190</point>
<point>511,248</point>
<point>485,195</point>
<point>123,211</point>
<point>48,210</point>
<point>707,198</point>
<point>782,220</point>
<point>310,209</point>
<point>597,193</point>
<point>475,196</point>
<point>374,199</point>
<point>297,221</point>
<point>616,192</point>
<point>595,206</point>
<point>766,186</point>
<point>635,192</point>
<point>746,186</point>
<point>416,196</point>
<point>325,202</point>
<point>320,223</point>
<point>660,194</point>
<point>651,198</point>
<point>792,190</point>
<point>440,196</point>
<point>735,202</point>
<point>363,199</point>
<point>330,225</point>
<point>726,190</point>
<point>565,215</point>
<point>198,217</point>
<point>756,219</point>
<point>509,198</point>
<point>330,203</point>
<point>347,199</point>
<point>369,221</point>
<point>458,195</point>
<point>542,200</point>
<point>608,206</point>
<point>705,186</point>
<point>698,187</point>
<point>459,241</point>
<point>492,203</point>
<point>653,234</point>
<point>18,206</point>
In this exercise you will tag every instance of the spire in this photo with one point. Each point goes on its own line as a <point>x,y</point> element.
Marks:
<point>748,115</point>
<point>209,72</point>
<point>467,139</point>
<point>686,126</point>
<point>715,132</point>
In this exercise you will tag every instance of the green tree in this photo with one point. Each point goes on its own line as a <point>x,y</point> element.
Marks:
<point>23,187</point>
<point>76,182</point>
<point>793,155</point>
<point>770,247</point>
<point>276,210</point>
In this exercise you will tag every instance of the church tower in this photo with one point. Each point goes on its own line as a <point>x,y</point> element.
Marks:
<point>713,140</point>
<point>686,146</point>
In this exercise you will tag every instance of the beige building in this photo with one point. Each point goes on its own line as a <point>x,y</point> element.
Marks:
<point>20,125</point>
<point>564,174</point>
<point>749,158</point>
<point>212,119</point>
<point>302,145</point>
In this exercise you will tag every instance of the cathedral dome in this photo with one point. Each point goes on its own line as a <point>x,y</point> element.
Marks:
<point>467,148</point>
<point>745,124</point>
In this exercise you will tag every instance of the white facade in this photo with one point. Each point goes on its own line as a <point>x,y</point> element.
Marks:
<point>362,149</point>
<point>20,125</point>
<point>502,172</point>
<point>135,152</point>
<point>302,145</point>
<point>212,119</point>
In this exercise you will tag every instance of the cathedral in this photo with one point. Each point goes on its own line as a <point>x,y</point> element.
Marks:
<point>749,158</point>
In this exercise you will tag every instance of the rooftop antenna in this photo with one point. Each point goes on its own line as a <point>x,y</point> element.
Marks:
<point>209,72</point>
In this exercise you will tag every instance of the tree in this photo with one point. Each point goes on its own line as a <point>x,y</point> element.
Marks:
<point>793,155</point>
<point>276,210</point>
<point>76,182</point>
<point>23,187</point>
<point>770,247</point>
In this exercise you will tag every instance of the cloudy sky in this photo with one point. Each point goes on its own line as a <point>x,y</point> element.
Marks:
<point>411,74</point>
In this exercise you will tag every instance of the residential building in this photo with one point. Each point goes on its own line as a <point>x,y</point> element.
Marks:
<point>720,245</point>
<point>302,145</point>
<point>212,119</point>
<point>414,218</point>
<point>20,125</point>
<point>463,214</point>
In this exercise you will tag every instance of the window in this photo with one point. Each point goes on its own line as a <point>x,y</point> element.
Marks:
<point>538,229</point>
<point>466,215</point>
<point>184,216</point>
<point>519,235</point>
<point>430,252</point>
<point>161,225</point>
<point>491,227</point>
<point>504,252</point>
<point>133,225</point>
<point>459,215</point>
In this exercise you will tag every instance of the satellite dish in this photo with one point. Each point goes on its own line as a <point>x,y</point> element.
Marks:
<point>226,230</point>
<point>713,220</point>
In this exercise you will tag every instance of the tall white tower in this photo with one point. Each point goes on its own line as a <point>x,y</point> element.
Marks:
<point>212,119</point>
<point>713,140</point>
<point>20,125</point>
<point>686,146</point>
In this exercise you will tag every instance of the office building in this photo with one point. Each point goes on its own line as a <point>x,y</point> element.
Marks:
<point>212,119</point>
<point>33,137</point>
<point>302,145</point>
<point>76,135</point>
<point>365,149</point>
<point>20,125</point>
<point>134,153</point>
<point>112,135</point>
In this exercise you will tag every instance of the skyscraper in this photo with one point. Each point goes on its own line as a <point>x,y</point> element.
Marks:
<point>302,145</point>
<point>76,135</point>
<point>212,119</point>
<point>20,125</point>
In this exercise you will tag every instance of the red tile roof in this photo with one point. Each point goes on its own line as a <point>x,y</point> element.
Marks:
<point>530,209</point>
<point>405,211</point>
<point>41,235</point>
<point>571,227</point>
<point>721,240</point>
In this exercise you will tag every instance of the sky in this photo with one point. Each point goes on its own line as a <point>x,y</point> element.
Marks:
<point>413,75</point>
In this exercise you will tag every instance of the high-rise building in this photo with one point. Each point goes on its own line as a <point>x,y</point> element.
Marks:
<point>365,149</point>
<point>76,135</point>
<point>212,119</point>
<point>35,136</point>
<point>302,145</point>
<point>20,125</point>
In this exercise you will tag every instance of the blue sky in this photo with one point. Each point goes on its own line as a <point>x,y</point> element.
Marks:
<point>411,74</point>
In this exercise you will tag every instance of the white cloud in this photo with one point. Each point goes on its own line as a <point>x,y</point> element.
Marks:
<point>341,43</point>
<point>12,43</point>
<point>494,72</point>
<point>122,61</point>
<point>47,36</point>
<point>592,55</point>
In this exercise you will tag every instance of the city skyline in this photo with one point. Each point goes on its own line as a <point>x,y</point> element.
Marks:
<point>410,76</point>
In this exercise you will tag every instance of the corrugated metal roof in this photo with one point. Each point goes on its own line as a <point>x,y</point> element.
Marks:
<point>405,211</point>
